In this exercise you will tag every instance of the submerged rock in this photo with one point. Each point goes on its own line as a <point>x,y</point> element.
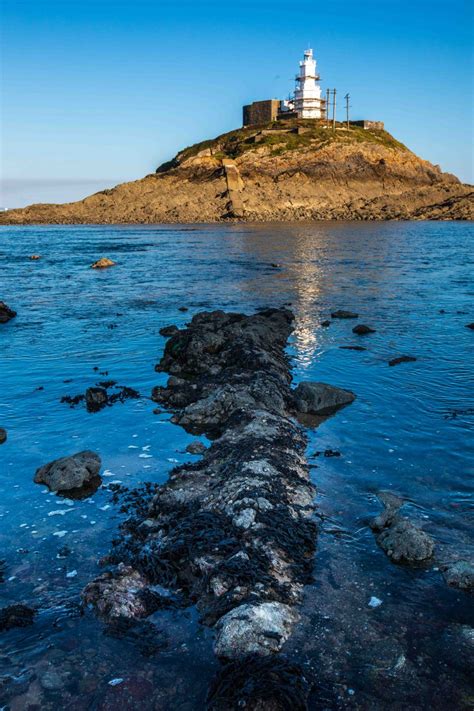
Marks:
<point>16,616</point>
<point>3,435</point>
<point>460,575</point>
<point>6,313</point>
<point>402,359</point>
<point>254,629</point>
<point>353,348</point>
<point>470,325</point>
<point>325,324</point>
<point>344,314</point>
<point>70,473</point>
<point>362,330</point>
<point>103,263</point>
<point>320,398</point>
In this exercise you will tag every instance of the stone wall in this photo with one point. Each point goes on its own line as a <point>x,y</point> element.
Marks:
<point>368,125</point>
<point>260,112</point>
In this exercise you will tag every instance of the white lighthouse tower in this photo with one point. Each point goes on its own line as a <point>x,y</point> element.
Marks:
<point>308,102</point>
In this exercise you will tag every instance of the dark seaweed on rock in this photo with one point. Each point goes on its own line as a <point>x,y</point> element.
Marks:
<point>270,683</point>
<point>16,616</point>
<point>232,532</point>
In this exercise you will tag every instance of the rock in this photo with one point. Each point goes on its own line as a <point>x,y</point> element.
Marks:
<point>362,330</point>
<point>6,313</point>
<point>402,359</point>
<point>470,325</point>
<point>404,542</point>
<point>3,435</point>
<point>16,616</point>
<point>183,308</point>
<point>196,447</point>
<point>54,679</point>
<point>353,348</point>
<point>96,399</point>
<point>168,331</point>
<point>344,314</point>
<point>460,575</point>
<point>119,594</point>
<point>70,473</point>
<point>35,257</point>
<point>320,398</point>
<point>325,324</point>
<point>103,263</point>
<point>254,629</point>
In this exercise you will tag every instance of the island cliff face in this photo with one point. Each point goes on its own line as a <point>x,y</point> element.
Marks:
<point>297,170</point>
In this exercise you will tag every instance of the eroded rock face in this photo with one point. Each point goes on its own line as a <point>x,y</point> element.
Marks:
<point>70,473</point>
<point>320,398</point>
<point>6,313</point>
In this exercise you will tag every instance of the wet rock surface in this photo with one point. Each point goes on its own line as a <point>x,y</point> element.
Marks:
<point>6,313</point>
<point>232,533</point>
<point>399,538</point>
<point>70,473</point>
<point>460,574</point>
<point>320,398</point>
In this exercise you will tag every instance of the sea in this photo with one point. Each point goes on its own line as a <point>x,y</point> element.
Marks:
<point>372,634</point>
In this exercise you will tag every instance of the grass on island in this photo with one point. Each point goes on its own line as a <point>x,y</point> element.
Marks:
<point>283,136</point>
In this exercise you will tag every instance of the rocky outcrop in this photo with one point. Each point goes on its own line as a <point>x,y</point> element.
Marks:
<point>103,263</point>
<point>232,533</point>
<point>317,174</point>
<point>70,473</point>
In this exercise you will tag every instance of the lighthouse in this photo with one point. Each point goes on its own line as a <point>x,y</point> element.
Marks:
<point>308,102</point>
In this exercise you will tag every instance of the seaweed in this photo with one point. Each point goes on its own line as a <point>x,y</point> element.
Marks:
<point>257,682</point>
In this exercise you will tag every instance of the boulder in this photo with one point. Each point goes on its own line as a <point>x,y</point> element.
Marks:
<point>103,263</point>
<point>96,399</point>
<point>320,398</point>
<point>404,542</point>
<point>254,629</point>
<point>3,435</point>
<point>362,330</point>
<point>71,472</point>
<point>118,595</point>
<point>344,314</point>
<point>6,313</point>
<point>196,447</point>
<point>460,575</point>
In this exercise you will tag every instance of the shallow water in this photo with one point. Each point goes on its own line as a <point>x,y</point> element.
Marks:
<point>410,430</point>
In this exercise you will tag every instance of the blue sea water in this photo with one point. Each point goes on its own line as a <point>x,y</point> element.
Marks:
<point>410,430</point>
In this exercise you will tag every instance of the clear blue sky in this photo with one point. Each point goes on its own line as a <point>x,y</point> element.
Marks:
<point>99,91</point>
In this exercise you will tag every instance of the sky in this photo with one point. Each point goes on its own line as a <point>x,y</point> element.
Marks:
<point>95,92</point>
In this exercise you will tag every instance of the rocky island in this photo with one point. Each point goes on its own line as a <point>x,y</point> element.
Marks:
<point>287,170</point>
